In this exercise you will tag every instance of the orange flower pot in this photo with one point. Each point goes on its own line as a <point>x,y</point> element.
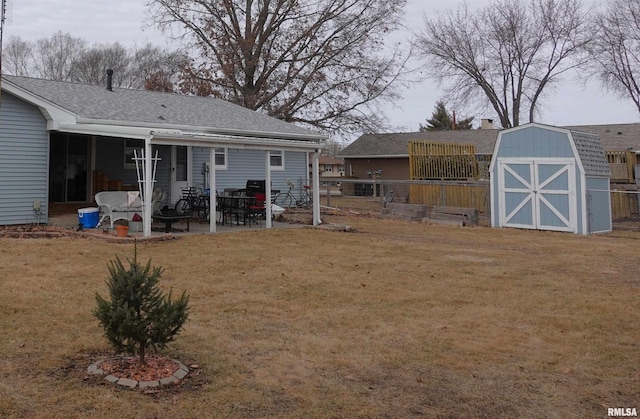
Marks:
<point>122,231</point>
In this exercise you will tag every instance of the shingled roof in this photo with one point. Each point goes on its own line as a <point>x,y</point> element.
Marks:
<point>131,107</point>
<point>591,153</point>
<point>395,145</point>
<point>614,137</point>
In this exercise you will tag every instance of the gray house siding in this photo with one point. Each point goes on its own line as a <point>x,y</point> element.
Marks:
<point>163,172</point>
<point>110,159</point>
<point>243,165</point>
<point>24,162</point>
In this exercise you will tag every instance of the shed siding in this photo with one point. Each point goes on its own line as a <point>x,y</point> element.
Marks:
<point>548,150</point>
<point>598,204</point>
<point>24,161</point>
<point>535,142</point>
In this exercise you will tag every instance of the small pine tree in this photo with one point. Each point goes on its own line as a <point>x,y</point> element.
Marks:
<point>138,315</point>
<point>441,120</point>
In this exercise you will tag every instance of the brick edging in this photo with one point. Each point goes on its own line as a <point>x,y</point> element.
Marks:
<point>174,378</point>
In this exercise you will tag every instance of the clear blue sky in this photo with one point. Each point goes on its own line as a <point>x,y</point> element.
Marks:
<point>107,21</point>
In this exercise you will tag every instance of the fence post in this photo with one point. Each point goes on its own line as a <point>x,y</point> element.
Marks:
<point>329,186</point>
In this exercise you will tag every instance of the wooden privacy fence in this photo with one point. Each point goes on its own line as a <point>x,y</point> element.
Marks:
<point>625,204</point>
<point>433,160</point>
<point>621,164</point>
<point>453,194</point>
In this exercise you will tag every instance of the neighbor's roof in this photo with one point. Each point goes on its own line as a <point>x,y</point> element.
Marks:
<point>329,160</point>
<point>395,145</point>
<point>130,107</point>
<point>614,137</point>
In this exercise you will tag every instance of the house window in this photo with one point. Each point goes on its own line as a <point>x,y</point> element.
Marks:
<point>277,160</point>
<point>221,157</point>
<point>328,168</point>
<point>129,147</point>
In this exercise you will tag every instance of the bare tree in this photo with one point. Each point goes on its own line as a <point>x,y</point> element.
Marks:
<point>92,64</point>
<point>616,49</point>
<point>332,147</point>
<point>55,57</point>
<point>17,57</point>
<point>65,58</point>
<point>321,62</point>
<point>506,55</point>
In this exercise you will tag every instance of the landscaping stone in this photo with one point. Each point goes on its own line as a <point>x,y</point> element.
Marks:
<point>149,384</point>
<point>178,375</point>
<point>127,382</point>
<point>169,380</point>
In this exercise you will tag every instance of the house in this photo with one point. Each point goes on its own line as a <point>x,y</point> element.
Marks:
<point>331,168</point>
<point>62,142</point>
<point>387,155</point>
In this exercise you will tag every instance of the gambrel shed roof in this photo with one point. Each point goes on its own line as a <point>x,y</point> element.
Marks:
<point>591,153</point>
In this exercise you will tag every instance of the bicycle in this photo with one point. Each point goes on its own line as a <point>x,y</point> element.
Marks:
<point>287,199</point>
<point>193,201</point>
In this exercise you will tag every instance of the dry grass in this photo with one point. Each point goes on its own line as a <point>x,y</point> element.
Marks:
<point>395,320</point>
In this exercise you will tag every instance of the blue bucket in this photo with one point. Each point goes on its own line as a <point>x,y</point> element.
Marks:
<point>88,217</point>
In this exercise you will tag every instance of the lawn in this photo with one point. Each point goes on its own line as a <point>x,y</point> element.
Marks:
<point>395,319</point>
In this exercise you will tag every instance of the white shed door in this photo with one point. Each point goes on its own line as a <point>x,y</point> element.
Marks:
<point>537,194</point>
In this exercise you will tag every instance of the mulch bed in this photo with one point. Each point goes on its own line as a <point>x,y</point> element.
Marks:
<point>157,367</point>
<point>43,231</point>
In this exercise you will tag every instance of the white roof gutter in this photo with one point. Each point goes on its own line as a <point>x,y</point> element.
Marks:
<point>107,131</point>
<point>205,130</point>
<point>213,140</point>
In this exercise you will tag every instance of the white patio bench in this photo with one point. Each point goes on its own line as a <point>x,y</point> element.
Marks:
<point>113,204</point>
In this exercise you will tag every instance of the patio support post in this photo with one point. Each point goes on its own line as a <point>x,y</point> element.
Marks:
<point>316,187</point>
<point>147,189</point>
<point>212,190</point>
<point>267,188</point>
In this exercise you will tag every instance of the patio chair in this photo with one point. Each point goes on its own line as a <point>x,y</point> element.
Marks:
<point>256,210</point>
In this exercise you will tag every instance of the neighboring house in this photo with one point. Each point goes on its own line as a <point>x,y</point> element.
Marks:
<point>62,142</point>
<point>387,155</point>
<point>330,168</point>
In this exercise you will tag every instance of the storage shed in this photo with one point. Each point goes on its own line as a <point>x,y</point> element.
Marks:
<point>550,178</point>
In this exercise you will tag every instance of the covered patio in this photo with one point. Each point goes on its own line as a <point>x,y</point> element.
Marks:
<point>68,219</point>
<point>84,139</point>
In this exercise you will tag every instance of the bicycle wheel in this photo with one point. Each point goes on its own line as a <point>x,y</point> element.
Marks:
<point>305,200</point>
<point>283,199</point>
<point>183,207</point>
